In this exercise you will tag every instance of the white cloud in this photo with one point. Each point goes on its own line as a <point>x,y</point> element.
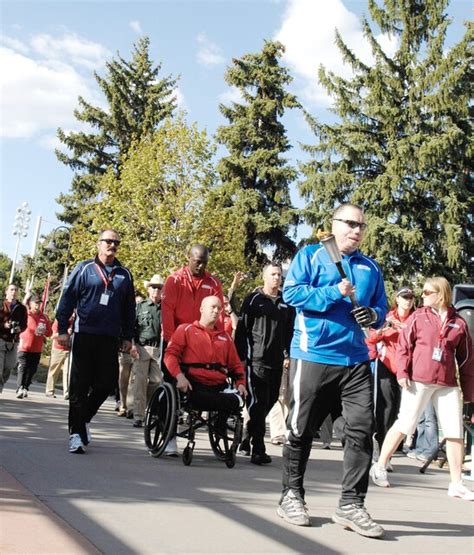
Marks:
<point>14,44</point>
<point>38,96</point>
<point>232,94</point>
<point>209,53</point>
<point>71,48</point>
<point>308,33</point>
<point>135,25</point>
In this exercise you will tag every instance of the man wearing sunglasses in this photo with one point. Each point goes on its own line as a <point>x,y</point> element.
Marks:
<point>329,364</point>
<point>102,292</point>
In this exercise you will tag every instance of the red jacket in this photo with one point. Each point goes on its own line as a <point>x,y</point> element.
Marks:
<point>193,343</point>
<point>423,333</point>
<point>382,343</point>
<point>29,341</point>
<point>182,296</point>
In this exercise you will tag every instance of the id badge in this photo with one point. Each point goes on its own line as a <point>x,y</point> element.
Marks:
<point>104,299</point>
<point>437,354</point>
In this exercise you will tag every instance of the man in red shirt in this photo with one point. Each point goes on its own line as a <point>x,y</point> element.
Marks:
<point>201,357</point>
<point>185,289</point>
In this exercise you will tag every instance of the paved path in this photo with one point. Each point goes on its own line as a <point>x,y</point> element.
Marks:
<point>117,499</point>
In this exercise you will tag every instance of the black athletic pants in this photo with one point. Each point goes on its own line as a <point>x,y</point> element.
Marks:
<point>94,376</point>
<point>263,386</point>
<point>27,367</point>
<point>315,389</point>
<point>387,401</point>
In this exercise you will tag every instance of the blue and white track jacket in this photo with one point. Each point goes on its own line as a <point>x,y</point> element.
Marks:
<point>325,330</point>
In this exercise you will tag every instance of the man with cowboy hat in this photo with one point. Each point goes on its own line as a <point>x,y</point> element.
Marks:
<point>147,348</point>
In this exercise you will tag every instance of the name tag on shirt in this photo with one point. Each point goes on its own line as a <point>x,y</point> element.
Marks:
<point>437,354</point>
<point>104,299</point>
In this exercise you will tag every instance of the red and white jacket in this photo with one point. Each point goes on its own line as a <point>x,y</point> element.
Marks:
<point>29,341</point>
<point>193,343</point>
<point>423,334</point>
<point>182,296</point>
<point>382,343</point>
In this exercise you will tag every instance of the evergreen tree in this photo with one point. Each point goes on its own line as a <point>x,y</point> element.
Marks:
<point>402,147</point>
<point>137,101</point>
<point>255,175</point>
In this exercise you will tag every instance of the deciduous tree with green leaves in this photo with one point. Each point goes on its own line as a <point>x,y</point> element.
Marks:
<point>255,175</point>
<point>156,203</point>
<point>138,99</point>
<point>402,147</point>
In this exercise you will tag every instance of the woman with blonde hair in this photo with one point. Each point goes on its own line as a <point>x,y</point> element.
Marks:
<point>433,345</point>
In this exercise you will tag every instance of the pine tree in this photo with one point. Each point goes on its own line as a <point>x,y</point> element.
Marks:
<point>137,101</point>
<point>255,176</point>
<point>402,147</point>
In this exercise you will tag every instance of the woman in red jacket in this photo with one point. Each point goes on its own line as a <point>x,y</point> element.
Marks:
<point>31,345</point>
<point>382,345</point>
<point>435,344</point>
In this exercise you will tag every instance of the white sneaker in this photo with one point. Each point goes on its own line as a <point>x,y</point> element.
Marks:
<point>460,491</point>
<point>25,393</point>
<point>88,432</point>
<point>171,449</point>
<point>379,476</point>
<point>75,444</point>
<point>19,393</point>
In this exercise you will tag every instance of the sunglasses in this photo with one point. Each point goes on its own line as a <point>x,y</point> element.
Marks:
<point>426,293</point>
<point>156,286</point>
<point>352,224</point>
<point>407,297</point>
<point>110,242</point>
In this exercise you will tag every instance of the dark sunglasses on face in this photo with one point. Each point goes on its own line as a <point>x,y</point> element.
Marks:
<point>352,224</point>
<point>111,242</point>
<point>427,293</point>
<point>407,297</point>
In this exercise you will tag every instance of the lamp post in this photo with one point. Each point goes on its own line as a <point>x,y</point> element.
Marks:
<point>20,229</point>
<point>51,246</point>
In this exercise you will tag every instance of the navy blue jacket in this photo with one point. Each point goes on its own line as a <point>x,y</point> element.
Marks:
<point>325,330</point>
<point>83,292</point>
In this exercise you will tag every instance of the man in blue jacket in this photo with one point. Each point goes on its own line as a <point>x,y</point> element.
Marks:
<point>330,365</point>
<point>101,290</point>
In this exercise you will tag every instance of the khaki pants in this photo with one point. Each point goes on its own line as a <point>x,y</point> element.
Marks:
<point>125,371</point>
<point>8,360</point>
<point>59,361</point>
<point>148,376</point>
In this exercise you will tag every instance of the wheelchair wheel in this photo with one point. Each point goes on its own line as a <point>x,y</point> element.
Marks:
<point>187,455</point>
<point>160,419</point>
<point>231,457</point>
<point>223,445</point>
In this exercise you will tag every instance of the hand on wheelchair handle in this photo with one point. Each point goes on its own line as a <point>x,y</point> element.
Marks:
<point>243,391</point>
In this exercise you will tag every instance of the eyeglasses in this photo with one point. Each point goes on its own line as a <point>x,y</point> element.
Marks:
<point>110,242</point>
<point>426,293</point>
<point>352,224</point>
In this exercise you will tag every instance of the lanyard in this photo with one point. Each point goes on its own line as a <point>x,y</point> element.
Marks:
<point>106,279</point>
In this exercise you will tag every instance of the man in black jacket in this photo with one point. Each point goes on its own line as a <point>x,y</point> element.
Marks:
<point>263,340</point>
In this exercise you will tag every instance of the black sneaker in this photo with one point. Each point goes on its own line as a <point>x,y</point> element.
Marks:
<point>260,458</point>
<point>293,509</point>
<point>138,423</point>
<point>244,447</point>
<point>358,519</point>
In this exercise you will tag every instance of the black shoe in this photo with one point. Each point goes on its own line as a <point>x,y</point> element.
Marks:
<point>260,458</point>
<point>244,447</point>
<point>138,424</point>
<point>129,414</point>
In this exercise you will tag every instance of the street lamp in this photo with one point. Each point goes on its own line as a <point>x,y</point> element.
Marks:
<point>52,246</point>
<point>20,229</point>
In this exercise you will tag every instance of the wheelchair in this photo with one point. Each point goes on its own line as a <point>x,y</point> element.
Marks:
<point>167,407</point>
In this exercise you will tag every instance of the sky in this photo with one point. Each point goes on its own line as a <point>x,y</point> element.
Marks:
<point>49,52</point>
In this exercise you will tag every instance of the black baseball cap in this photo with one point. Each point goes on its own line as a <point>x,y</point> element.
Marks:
<point>405,292</point>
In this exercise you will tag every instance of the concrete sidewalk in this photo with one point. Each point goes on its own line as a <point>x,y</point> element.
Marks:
<point>117,499</point>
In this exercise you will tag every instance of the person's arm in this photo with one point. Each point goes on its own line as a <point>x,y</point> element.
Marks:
<point>243,333</point>
<point>68,301</point>
<point>168,307</point>
<point>379,300</point>
<point>465,360</point>
<point>404,352</point>
<point>235,367</point>
<point>49,327</point>
<point>299,289</point>
<point>129,313</point>
<point>238,278</point>
<point>174,351</point>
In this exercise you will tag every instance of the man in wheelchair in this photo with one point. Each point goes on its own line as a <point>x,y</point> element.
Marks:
<point>205,363</point>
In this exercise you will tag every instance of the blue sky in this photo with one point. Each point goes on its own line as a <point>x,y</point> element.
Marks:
<point>49,50</point>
